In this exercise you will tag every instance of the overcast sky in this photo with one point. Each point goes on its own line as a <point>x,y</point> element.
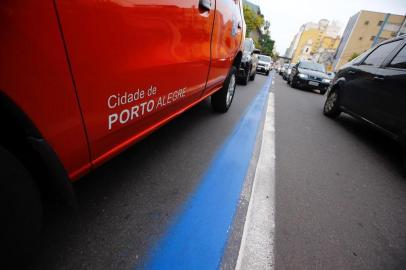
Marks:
<point>286,16</point>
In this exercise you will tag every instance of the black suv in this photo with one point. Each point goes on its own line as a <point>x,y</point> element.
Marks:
<point>372,88</point>
<point>310,75</point>
<point>249,62</point>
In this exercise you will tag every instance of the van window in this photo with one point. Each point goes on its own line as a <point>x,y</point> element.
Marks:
<point>380,53</point>
<point>400,59</point>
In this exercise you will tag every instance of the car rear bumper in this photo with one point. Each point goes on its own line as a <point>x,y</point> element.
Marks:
<point>262,69</point>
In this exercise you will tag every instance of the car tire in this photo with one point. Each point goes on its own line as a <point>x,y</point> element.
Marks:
<point>332,105</point>
<point>21,210</point>
<point>322,92</point>
<point>222,99</point>
<point>244,81</point>
<point>252,77</point>
<point>293,83</point>
<point>267,73</point>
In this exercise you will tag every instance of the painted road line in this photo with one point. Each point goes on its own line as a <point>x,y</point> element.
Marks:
<point>257,245</point>
<point>198,237</point>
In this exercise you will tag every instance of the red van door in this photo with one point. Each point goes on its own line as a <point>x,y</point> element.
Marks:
<point>135,63</point>
<point>226,41</point>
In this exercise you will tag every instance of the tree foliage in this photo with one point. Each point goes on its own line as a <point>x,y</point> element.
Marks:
<point>266,44</point>
<point>353,56</point>
<point>256,22</point>
<point>252,20</point>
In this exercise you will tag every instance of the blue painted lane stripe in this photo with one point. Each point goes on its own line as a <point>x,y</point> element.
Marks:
<point>198,236</point>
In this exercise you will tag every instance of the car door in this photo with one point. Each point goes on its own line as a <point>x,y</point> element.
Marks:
<point>226,40</point>
<point>135,63</point>
<point>362,82</point>
<point>388,109</point>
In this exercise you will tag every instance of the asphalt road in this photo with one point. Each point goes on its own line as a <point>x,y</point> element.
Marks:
<point>126,205</point>
<point>340,190</point>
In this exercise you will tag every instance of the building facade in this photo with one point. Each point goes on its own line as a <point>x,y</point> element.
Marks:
<point>364,30</point>
<point>315,42</point>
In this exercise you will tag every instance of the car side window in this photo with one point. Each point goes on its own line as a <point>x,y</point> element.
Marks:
<point>400,59</point>
<point>380,53</point>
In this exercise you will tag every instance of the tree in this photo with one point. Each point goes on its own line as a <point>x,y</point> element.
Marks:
<point>353,56</point>
<point>252,20</point>
<point>266,44</point>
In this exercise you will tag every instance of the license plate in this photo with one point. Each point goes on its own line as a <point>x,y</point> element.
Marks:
<point>314,83</point>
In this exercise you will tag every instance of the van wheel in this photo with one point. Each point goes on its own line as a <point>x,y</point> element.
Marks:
<point>222,99</point>
<point>332,105</point>
<point>21,211</point>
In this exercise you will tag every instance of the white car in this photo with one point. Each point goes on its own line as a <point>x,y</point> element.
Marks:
<point>264,64</point>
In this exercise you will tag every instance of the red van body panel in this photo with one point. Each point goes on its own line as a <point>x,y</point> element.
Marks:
<point>158,51</point>
<point>34,73</point>
<point>96,76</point>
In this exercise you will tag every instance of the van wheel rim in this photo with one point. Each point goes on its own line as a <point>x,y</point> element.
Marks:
<point>230,90</point>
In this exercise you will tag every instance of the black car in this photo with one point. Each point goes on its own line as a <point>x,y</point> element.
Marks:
<point>372,88</point>
<point>249,62</point>
<point>309,75</point>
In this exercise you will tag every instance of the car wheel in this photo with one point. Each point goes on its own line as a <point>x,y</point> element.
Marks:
<point>267,73</point>
<point>244,81</point>
<point>21,210</point>
<point>252,77</point>
<point>293,83</point>
<point>332,105</point>
<point>322,92</point>
<point>222,99</point>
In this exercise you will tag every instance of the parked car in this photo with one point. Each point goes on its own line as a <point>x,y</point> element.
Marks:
<point>73,97</point>
<point>287,72</point>
<point>309,75</point>
<point>264,64</point>
<point>283,68</point>
<point>372,88</point>
<point>249,62</point>
<point>331,75</point>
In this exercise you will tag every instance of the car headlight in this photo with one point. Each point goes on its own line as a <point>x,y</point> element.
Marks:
<point>303,76</point>
<point>326,80</point>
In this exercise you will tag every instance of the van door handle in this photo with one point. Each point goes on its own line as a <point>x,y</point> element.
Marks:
<point>379,78</point>
<point>351,72</point>
<point>205,4</point>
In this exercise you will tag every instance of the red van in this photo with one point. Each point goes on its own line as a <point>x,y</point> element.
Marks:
<point>80,81</point>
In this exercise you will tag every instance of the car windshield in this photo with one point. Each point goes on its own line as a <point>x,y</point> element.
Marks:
<point>312,66</point>
<point>264,58</point>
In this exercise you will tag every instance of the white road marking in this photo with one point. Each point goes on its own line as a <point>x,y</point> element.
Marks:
<point>257,244</point>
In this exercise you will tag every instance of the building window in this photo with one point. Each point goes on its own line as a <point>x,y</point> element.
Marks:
<point>380,23</point>
<point>366,22</point>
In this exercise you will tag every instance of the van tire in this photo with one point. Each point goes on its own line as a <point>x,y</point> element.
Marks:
<point>21,211</point>
<point>220,101</point>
